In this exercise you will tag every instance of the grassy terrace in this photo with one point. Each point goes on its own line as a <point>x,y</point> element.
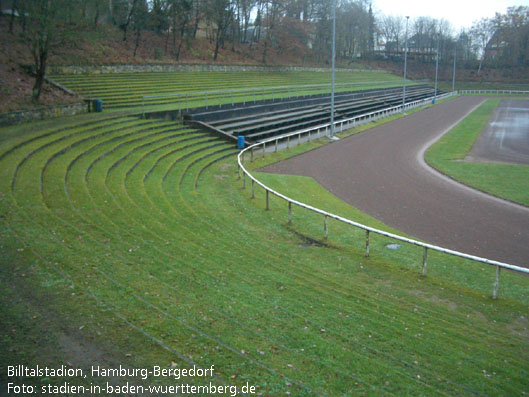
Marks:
<point>131,242</point>
<point>127,90</point>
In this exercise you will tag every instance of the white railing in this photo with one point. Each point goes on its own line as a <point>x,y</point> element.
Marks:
<point>243,172</point>
<point>494,92</point>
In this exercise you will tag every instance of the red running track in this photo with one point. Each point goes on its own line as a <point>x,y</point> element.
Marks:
<point>382,173</point>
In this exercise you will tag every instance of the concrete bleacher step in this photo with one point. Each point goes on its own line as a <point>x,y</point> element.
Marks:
<point>259,121</point>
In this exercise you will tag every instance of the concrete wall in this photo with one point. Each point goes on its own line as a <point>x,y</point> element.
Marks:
<point>57,69</point>
<point>42,113</point>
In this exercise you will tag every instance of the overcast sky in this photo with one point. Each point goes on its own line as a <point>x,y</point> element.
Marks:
<point>460,13</point>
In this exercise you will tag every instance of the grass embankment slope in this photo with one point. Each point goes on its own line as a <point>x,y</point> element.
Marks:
<point>508,181</point>
<point>129,241</point>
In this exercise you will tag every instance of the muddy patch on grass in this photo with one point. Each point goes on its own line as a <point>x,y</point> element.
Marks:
<point>520,327</point>
<point>435,299</point>
<point>226,166</point>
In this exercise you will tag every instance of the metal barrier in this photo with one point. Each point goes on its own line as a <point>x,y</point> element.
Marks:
<point>346,124</point>
<point>243,95</point>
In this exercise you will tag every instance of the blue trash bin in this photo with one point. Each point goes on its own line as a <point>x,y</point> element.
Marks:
<point>98,105</point>
<point>240,142</point>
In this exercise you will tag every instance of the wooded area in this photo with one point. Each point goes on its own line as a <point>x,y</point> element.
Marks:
<point>299,27</point>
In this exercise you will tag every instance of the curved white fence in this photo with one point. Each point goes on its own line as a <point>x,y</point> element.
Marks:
<point>243,172</point>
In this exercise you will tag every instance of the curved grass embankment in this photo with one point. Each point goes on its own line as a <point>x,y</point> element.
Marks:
<point>130,242</point>
<point>508,181</point>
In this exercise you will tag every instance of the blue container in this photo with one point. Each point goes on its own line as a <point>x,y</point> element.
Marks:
<point>433,101</point>
<point>98,105</point>
<point>240,142</point>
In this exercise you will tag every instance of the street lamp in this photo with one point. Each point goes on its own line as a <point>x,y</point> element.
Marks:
<point>405,65</point>
<point>333,64</point>
<point>436,70</point>
<point>454,74</point>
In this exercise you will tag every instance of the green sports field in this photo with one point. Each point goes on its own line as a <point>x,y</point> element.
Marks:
<point>508,181</point>
<point>130,242</point>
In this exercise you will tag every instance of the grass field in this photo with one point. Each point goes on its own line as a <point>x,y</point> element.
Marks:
<point>131,242</point>
<point>126,90</point>
<point>507,181</point>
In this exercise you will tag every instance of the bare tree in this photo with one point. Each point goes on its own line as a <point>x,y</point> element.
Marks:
<point>392,29</point>
<point>181,12</point>
<point>220,14</point>
<point>50,24</point>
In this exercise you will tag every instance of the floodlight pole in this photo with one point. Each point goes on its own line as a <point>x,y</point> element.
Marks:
<point>454,74</point>
<point>405,66</point>
<point>333,64</point>
<point>436,70</point>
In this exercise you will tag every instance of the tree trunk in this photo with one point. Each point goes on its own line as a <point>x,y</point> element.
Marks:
<point>41,57</point>
<point>181,43</point>
<point>12,19</point>
<point>96,18</point>
<point>265,50</point>
<point>137,43</point>
<point>217,44</point>
<point>175,52</point>
<point>197,21</point>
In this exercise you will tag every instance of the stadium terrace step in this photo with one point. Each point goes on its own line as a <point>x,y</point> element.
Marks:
<point>265,119</point>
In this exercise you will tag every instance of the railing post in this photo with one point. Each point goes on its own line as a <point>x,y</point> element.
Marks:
<point>267,200</point>
<point>276,145</point>
<point>367,243</point>
<point>325,227</point>
<point>496,284</point>
<point>424,259</point>
<point>253,189</point>
<point>264,149</point>
<point>239,170</point>
<point>290,212</point>
<point>299,139</point>
<point>251,155</point>
<point>288,142</point>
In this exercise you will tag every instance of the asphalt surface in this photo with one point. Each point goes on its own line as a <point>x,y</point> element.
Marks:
<point>506,137</point>
<point>382,173</point>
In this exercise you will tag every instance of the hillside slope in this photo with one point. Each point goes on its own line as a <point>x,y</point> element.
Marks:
<point>106,47</point>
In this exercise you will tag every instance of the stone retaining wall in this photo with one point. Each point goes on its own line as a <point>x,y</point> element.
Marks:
<point>42,113</point>
<point>73,69</point>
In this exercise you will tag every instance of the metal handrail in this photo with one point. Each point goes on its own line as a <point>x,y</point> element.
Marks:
<point>368,229</point>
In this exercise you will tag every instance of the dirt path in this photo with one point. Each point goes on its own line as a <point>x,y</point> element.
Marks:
<point>382,172</point>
